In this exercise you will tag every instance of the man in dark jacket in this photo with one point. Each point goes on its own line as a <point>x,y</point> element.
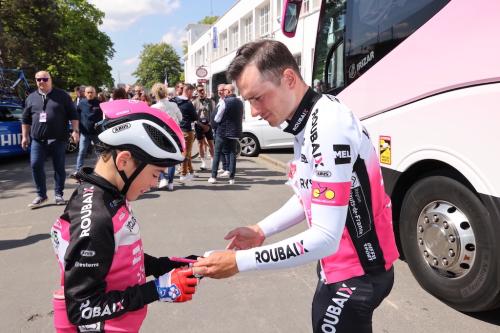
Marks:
<point>188,117</point>
<point>90,114</point>
<point>228,132</point>
<point>45,122</point>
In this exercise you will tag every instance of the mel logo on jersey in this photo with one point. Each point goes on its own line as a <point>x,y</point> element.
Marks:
<point>342,154</point>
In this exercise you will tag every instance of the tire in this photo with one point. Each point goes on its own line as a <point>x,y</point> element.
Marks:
<point>249,145</point>
<point>452,253</point>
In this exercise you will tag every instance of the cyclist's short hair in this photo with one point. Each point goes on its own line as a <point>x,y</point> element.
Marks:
<point>269,56</point>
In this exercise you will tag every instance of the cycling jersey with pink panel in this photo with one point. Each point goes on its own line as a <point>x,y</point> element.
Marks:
<point>339,190</point>
<point>103,266</point>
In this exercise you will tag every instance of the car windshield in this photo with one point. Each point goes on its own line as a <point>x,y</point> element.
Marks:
<point>10,113</point>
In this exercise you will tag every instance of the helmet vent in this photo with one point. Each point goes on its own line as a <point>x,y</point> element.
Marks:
<point>159,138</point>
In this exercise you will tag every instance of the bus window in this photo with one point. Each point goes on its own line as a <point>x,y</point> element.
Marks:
<point>375,27</point>
<point>328,71</point>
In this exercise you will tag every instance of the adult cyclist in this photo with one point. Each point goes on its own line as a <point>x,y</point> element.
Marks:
<point>338,188</point>
<point>97,239</point>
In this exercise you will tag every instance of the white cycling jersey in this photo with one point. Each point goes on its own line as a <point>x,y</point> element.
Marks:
<point>339,190</point>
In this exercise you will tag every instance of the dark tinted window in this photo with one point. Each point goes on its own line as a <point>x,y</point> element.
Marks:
<point>376,27</point>
<point>9,113</point>
<point>354,34</point>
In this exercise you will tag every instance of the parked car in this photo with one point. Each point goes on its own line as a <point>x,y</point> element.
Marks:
<point>258,134</point>
<point>10,129</point>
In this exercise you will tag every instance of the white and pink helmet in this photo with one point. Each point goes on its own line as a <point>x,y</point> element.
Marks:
<point>149,134</point>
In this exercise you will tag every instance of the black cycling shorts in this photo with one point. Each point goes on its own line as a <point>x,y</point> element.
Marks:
<point>347,306</point>
<point>200,134</point>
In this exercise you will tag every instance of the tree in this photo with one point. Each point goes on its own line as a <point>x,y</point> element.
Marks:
<point>61,36</point>
<point>208,20</point>
<point>155,61</point>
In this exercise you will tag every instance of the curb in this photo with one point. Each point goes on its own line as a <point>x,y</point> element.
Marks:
<point>282,166</point>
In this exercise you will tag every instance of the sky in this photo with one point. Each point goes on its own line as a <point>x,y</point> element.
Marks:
<point>132,23</point>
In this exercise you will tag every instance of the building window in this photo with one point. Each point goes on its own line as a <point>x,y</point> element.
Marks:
<point>247,29</point>
<point>264,20</point>
<point>233,39</point>
<point>306,6</point>
<point>223,43</point>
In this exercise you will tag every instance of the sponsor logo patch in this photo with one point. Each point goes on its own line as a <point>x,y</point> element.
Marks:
<point>323,173</point>
<point>330,194</point>
<point>342,154</point>
<point>281,253</point>
<point>121,127</point>
<point>87,253</point>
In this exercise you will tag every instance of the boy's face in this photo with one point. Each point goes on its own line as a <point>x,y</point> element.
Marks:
<point>147,178</point>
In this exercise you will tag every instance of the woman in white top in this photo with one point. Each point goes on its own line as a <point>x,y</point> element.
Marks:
<point>159,92</point>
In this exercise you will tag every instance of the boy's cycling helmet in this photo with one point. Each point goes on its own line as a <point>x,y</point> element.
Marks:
<point>151,136</point>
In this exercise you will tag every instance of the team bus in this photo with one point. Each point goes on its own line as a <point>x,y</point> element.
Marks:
<point>424,78</point>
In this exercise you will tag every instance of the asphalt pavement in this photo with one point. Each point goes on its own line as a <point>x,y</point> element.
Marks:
<point>191,220</point>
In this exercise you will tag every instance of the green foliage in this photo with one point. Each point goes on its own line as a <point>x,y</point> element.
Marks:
<point>61,36</point>
<point>208,20</point>
<point>155,60</point>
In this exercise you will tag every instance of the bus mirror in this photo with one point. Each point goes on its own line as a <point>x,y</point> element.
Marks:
<point>290,17</point>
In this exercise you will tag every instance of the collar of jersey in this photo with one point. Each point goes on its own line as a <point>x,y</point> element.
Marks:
<point>87,174</point>
<point>301,115</point>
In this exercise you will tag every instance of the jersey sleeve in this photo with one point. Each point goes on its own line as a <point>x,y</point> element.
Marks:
<point>287,216</point>
<point>87,263</point>
<point>334,139</point>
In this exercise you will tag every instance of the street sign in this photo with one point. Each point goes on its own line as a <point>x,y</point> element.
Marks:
<point>201,72</point>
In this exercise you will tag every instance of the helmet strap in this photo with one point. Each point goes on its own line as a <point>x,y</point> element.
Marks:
<point>128,180</point>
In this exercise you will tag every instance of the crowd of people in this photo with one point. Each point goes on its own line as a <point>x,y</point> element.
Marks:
<point>49,109</point>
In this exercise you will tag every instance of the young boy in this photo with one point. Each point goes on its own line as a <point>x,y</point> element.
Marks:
<point>97,239</point>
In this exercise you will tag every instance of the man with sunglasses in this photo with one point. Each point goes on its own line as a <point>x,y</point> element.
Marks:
<point>204,108</point>
<point>45,121</point>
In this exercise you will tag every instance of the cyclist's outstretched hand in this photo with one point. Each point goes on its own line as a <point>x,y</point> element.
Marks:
<point>243,238</point>
<point>178,285</point>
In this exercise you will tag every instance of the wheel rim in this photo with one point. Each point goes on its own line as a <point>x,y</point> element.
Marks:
<point>446,239</point>
<point>248,145</point>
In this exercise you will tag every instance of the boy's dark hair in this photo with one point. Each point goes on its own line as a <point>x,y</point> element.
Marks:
<point>271,58</point>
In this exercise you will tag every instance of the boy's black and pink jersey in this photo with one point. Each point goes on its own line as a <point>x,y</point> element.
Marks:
<point>339,190</point>
<point>100,254</point>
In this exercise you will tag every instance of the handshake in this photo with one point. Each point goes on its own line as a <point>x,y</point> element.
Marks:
<point>179,284</point>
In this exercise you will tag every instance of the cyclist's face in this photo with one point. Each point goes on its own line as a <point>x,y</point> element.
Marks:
<point>146,179</point>
<point>274,103</point>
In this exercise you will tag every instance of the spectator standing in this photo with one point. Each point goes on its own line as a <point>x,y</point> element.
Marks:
<point>188,117</point>
<point>79,94</point>
<point>90,114</point>
<point>119,93</point>
<point>179,88</point>
<point>159,91</point>
<point>220,110</point>
<point>204,135</point>
<point>138,92</point>
<point>229,128</point>
<point>45,122</point>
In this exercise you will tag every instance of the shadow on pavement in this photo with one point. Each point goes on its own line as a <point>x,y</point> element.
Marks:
<point>14,243</point>
<point>492,317</point>
<point>15,174</point>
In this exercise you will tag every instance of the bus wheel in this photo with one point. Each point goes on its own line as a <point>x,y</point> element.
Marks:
<point>448,241</point>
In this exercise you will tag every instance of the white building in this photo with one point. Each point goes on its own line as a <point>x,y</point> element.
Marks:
<point>211,48</point>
